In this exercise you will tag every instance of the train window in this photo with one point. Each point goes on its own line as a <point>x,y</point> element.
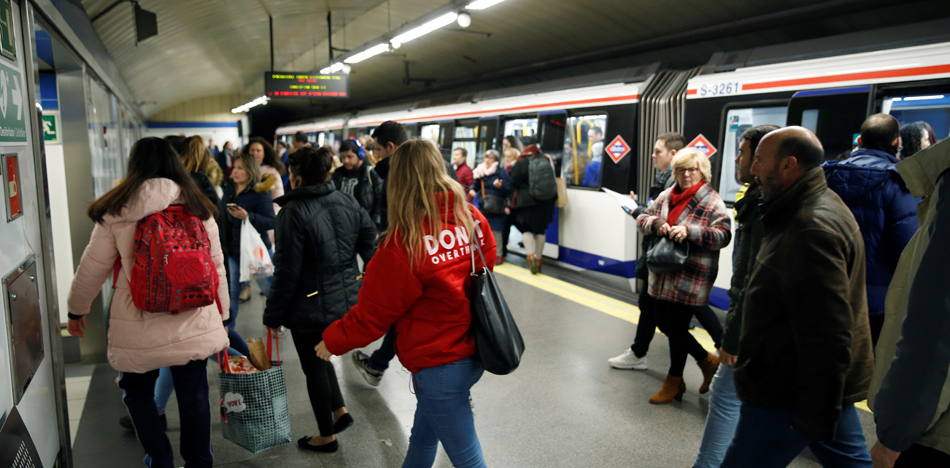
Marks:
<point>810,119</point>
<point>466,136</point>
<point>834,115</point>
<point>487,134</point>
<point>738,121</point>
<point>551,129</point>
<point>430,132</point>
<point>583,150</point>
<point>525,129</point>
<point>934,109</point>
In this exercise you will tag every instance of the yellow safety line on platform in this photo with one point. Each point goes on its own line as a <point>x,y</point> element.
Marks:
<point>600,303</point>
<point>588,298</point>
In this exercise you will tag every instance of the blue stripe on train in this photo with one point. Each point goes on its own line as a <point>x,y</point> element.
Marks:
<point>588,261</point>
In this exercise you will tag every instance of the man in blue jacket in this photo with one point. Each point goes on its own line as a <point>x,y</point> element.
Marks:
<point>881,203</point>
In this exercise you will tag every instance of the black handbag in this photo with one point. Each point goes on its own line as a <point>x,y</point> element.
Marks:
<point>492,204</point>
<point>667,256</point>
<point>497,338</point>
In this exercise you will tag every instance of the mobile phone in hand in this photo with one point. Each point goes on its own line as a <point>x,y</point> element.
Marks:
<point>626,209</point>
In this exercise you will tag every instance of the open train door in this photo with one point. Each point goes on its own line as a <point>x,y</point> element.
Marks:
<point>834,115</point>
<point>919,101</point>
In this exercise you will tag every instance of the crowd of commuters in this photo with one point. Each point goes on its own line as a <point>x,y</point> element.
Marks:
<point>835,296</point>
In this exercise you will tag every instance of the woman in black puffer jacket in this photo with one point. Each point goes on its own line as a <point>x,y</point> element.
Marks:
<point>319,232</point>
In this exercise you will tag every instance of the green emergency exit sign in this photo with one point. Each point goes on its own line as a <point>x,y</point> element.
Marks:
<point>50,128</point>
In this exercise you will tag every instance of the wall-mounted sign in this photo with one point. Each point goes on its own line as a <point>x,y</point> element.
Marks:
<point>12,114</point>
<point>7,32</point>
<point>51,127</point>
<point>24,324</point>
<point>617,149</point>
<point>305,85</point>
<point>11,185</point>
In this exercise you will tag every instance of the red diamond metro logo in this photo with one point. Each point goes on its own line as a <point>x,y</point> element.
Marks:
<point>703,145</point>
<point>617,149</point>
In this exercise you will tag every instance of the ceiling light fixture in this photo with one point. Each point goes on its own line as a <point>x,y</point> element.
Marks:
<point>416,33</point>
<point>924,98</point>
<point>371,52</point>
<point>332,68</point>
<point>465,20</point>
<point>482,4</point>
<point>244,108</point>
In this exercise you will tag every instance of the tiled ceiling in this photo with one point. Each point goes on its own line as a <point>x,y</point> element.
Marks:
<point>218,47</point>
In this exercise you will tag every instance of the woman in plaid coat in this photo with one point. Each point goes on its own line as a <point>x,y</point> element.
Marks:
<point>690,211</point>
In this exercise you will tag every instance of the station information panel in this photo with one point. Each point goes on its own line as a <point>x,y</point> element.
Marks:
<point>305,85</point>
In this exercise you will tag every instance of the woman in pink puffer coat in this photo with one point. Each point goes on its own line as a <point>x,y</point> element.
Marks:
<point>142,342</point>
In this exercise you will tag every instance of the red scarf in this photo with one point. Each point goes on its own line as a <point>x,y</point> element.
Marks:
<point>678,201</point>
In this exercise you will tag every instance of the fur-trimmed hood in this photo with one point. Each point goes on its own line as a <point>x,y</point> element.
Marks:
<point>268,183</point>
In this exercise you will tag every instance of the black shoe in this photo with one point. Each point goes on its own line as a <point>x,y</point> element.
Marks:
<point>343,423</point>
<point>126,422</point>
<point>304,443</point>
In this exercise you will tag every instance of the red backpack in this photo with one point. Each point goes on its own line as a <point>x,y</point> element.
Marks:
<point>173,268</point>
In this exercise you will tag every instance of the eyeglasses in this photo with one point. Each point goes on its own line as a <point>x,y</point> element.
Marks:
<point>685,170</point>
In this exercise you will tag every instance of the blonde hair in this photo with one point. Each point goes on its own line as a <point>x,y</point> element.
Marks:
<point>511,154</point>
<point>686,157</point>
<point>194,157</point>
<point>416,176</point>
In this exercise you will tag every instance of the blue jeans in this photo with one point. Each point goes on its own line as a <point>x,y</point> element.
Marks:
<point>191,384</point>
<point>164,385</point>
<point>234,288</point>
<point>765,439</point>
<point>444,414</point>
<point>721,421</point>
<point>380,358</point>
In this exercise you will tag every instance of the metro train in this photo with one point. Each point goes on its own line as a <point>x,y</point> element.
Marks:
<point>710,105</point>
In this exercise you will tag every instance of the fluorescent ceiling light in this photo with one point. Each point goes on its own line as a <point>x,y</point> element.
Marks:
<point>923,98</point>
<point>244,108</point>
<point>332,68</point>
<point>482,4</point>
<point>371,52</point>
<point>437,23</point>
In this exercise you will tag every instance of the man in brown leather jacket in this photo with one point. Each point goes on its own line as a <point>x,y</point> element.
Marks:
<point>806,343</point>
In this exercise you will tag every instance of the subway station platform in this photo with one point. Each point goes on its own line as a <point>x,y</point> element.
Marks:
<point>564,407</point>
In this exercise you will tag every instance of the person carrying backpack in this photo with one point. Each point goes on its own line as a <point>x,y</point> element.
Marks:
<point>156,238</point>
<point>532,179</point>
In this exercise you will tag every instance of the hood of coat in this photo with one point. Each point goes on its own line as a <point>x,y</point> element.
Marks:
<point>859,174</point>
<point>153,196</point>
<point>306,192</point>
<point>267,184</point>
<point>922,170</point>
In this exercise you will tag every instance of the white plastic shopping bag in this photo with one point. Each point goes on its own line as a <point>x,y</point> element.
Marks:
<point>255,260</point>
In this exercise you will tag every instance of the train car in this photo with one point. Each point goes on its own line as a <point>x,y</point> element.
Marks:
<point>571,124</point>
<point>829,95</point>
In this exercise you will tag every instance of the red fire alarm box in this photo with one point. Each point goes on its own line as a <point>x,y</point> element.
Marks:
<point>11,186</point>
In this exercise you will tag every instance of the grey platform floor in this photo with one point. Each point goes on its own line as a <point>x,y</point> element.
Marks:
<point>564,407</point>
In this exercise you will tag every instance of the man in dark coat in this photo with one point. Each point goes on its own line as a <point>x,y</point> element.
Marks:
<point>885,210</point>
<point>358,179</point>
<point>805,347</point>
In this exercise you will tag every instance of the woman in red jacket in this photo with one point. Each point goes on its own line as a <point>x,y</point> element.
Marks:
<point>420,280</point>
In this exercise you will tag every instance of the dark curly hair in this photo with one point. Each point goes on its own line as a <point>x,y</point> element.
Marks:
<point>270,154</point>
<point>311,165</point>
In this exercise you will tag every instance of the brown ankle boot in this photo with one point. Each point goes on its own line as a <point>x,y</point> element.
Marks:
<point>537,265</point>
<point>532,264</point>
<point>709,368</point>
<point>673,389</point>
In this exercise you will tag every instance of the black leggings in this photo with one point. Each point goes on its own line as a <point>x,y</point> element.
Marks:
<point>646,327</point>
<point>673,320</point>
<point>322,384</point>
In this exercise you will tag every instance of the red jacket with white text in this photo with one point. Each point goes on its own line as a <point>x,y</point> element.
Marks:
<point>429,302</point>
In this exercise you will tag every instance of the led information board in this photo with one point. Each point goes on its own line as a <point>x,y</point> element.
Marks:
<point>305,85</point>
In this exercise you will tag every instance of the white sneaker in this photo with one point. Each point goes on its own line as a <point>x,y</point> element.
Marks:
<point>628,360</point>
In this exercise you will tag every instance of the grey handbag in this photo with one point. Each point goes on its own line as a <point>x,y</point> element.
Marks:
<point>667,256</point>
